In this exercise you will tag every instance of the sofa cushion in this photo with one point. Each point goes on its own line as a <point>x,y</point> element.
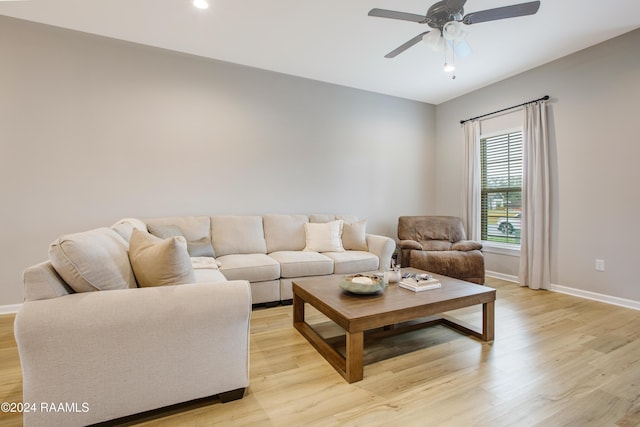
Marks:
<point>324,237</point>
<point>354,236</point>
<point>320,218</point>
<point>237,235</point>
<point>284,232</point>
<point>195,229</point>
<point>251,267</point>
<point>206,270</point>
<point>421,228</point>
<point>125,226</point>
<point>160,262</point>
<point>465,265</point>
<point>300,264</point>
<point>94,260</point>
<point>353,261</point>
<point>436,245</point>
<point>207,275</point>
<point>203,262</point>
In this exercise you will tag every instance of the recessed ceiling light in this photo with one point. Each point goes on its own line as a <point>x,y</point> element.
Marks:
<point>201,4</point>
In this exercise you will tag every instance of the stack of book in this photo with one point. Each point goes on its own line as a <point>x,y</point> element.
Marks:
<point>420,282</point>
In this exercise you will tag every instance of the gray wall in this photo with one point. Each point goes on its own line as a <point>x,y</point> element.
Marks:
<point>595,150</point>
<point>94,129</point>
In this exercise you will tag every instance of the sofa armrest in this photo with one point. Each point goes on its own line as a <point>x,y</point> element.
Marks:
<point>410,244</point>
<point>132,350</point>
<point>382,247</point>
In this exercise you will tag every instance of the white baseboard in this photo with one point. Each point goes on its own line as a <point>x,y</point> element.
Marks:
<point>622,302</point>
<point>9,309</point>
<point>502,276</point>
<point>608,299</point>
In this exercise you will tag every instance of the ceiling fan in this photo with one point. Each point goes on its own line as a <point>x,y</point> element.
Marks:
<point>446,18</point>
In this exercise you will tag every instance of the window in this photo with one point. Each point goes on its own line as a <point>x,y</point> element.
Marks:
<point>501,176</point>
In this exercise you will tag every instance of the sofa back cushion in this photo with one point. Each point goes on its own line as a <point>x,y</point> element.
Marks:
<point>420,228</point>
<point>195,229</point>
<point>242,234</point>
<point>284,232</point>
<point>94,260</point>
<point>330,217</point>
<point>125,226</point>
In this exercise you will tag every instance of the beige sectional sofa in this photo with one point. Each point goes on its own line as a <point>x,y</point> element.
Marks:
<point>138,347</point>
<point>268,250</point>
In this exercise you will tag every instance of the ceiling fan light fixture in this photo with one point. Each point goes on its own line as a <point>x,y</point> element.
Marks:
<point>434,40</point>
<point>453,30</point>
<point>462,49</point>
<point>201,4</point>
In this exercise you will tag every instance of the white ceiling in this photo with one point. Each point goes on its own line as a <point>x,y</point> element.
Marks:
<point>335,41</point>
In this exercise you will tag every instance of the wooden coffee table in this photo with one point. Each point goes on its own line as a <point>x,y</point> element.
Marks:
<point>359,313</point>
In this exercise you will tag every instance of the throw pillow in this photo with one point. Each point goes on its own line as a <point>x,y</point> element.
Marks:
<point>160,262</point>
<point>324,237</point>
<point>200,247</point>
<point>196,248</point>
<point>354,236</point>
<point>165,231</point>
<point>94,260</point>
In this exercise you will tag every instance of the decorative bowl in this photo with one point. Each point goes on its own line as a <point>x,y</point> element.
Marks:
<point>363,284</point>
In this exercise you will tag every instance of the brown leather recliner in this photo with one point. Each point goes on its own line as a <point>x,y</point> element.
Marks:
<point>439,244</point>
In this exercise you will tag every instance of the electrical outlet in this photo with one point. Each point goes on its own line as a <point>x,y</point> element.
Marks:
<point>599,265</point>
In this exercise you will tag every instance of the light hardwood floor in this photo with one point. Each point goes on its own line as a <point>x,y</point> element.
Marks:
<point>556,360</point>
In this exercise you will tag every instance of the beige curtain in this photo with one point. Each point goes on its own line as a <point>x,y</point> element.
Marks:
<point>534,237</point>
<point>471,192</point>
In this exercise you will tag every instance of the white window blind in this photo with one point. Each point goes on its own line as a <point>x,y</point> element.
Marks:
<point>501,175</point>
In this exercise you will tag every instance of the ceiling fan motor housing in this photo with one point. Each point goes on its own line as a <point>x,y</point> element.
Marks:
<point>439,14</point>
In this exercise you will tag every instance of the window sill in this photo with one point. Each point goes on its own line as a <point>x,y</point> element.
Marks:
<point>501,248</point>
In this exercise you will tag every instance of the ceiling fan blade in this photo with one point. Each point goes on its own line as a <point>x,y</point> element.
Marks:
<point>505,12</point>
<point>397,51</point>
<point>455,6</point>
<point>392,14</point>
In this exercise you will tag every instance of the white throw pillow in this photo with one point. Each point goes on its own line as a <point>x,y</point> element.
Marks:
<point>354,236</point>
<point>158,262</point>
<point>324,237</point>
<point>94,260</point>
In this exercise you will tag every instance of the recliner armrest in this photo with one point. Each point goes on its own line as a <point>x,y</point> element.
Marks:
<point>466,245</point>
<point>410,244</point>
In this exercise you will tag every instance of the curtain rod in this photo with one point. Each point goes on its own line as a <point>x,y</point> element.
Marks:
<point>544,98</point>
